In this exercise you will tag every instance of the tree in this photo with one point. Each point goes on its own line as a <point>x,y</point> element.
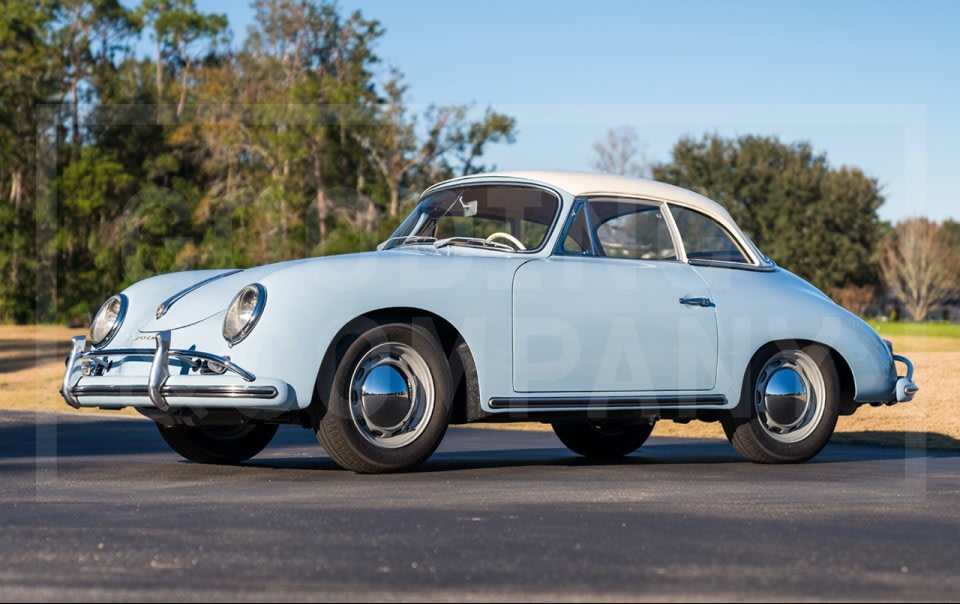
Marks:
<point>950,233</point>
<point>93,31</point>
<point>283,157</point>
<point>30,71</point>
<point>858,299</point>
<point>470,143</point>
<point>920,268</point>
<point>396,149</point>
<point>621,153</point>
<point>182,34</point>
<point>816,220</point>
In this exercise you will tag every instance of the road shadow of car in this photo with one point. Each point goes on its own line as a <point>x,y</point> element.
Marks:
<point>20,354</point>
<point>30,435</point>
<point>692,453</point>
<point>933,441</point>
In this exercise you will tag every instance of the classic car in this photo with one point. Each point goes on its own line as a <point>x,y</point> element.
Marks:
<point>598,304</point>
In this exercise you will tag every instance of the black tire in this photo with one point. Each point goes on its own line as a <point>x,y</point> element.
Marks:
<point>744,427</point>
<point>337,429</point>
<point>225,445</point>
<point>603,441</point>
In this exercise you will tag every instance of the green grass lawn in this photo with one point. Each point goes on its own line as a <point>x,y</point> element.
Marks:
<point>903,328</point>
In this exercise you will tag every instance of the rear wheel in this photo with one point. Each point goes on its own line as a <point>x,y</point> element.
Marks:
<point>789,406</point>
<point>390,401</point>
<point>603,440</point>
<point>218,444</point>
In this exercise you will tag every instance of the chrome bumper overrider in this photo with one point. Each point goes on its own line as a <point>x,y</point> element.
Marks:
<point>162,390</point>
<point>906,389</point>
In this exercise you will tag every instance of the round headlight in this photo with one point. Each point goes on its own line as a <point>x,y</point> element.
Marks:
<point>244,312</point>
<point>107,321</point>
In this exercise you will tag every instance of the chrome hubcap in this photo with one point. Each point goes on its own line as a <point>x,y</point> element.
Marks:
<point>391,395</point>
<point>789,396</point>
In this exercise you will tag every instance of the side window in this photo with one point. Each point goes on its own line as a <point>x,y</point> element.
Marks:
<point>627,229</point>
<point>704,239</point>
<point>621,229</point>
<point>577,239</point>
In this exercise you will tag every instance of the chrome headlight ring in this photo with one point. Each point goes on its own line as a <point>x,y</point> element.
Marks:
<point>243,313</point>
<point>113,310</point>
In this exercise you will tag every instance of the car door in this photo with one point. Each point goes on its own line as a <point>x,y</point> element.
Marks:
<point>613,309</point>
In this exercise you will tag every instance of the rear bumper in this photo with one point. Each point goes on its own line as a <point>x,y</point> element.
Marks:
<point>87,381</point>
<point>906,389</point>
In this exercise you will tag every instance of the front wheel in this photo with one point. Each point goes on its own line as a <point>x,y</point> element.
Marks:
<point>602,441</point>
<point>390,401</point>
<point>789,406</point>
<point>226,445</point>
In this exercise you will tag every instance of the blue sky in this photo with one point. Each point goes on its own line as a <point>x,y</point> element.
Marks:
<point>873,84</point>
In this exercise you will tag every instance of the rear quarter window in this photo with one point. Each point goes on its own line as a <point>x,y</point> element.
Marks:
<point>704,239</point>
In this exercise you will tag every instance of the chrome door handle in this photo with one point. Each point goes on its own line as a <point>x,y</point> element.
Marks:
<point>703,302</point>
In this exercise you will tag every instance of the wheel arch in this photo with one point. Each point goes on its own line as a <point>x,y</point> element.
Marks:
<point>844,372</point>
<point>463,369</point>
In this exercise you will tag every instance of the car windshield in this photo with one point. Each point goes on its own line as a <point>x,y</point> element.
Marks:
<point>496,217</point>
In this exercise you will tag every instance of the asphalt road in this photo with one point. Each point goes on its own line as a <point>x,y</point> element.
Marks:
<point>98,508</point>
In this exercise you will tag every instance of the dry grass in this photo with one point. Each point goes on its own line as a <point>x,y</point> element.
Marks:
<point>31,366</point>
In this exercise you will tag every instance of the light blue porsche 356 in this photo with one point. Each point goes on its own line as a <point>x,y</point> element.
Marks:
<point>598,304</point>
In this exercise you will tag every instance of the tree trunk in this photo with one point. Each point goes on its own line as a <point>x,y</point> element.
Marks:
<point>15,187</point>
<point>344,163</point>
<point>394,199</point>
<point>159,78</point>
<point>76,115</point>
<point>16,197</point>
<point>321,197</point>
<point>183,89</point>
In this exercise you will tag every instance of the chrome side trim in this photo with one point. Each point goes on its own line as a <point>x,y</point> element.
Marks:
<point>738,266</point>
<point>600,404</point>
<point>163,308</point>
<point>240,391</point>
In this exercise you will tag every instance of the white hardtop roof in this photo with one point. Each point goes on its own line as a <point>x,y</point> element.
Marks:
<point>586,183</point>
<point>581,184</point>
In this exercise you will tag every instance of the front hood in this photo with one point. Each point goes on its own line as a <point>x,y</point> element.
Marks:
<point>212,298</point>
<point>188,307</point>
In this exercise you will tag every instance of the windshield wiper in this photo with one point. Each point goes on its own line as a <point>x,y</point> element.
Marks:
<point>408,240</point>
<point>441,243</point>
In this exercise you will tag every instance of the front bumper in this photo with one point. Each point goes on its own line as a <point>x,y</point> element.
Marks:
<point>229,385</point>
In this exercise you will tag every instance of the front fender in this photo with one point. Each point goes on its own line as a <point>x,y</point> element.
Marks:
<point>308,304</point>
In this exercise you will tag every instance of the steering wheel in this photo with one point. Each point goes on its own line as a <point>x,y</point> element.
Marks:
<point>513,240</point>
